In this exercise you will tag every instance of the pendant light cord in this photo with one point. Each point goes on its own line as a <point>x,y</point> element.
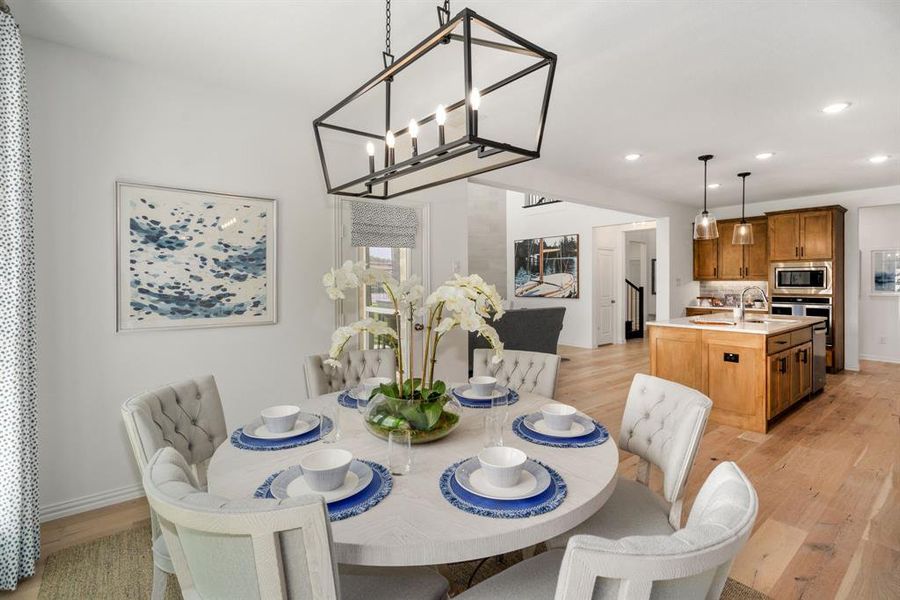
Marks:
<point>705,163</point>
<point>743,177</point>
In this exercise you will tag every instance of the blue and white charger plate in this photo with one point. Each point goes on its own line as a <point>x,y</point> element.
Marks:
<point>593,438</point>
<point>358,503</point>
<point>511,397</point>
<point>474,504</point>
<point>346,399</point>
<point>244,442</point>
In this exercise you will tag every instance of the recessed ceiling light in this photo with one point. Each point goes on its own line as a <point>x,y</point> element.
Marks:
<point>835,108</point>
<point>878,158</point>
<point>632,156</point>
<point>765,155</point>
<point>713,186</point>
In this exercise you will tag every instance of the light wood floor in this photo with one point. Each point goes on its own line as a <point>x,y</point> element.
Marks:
<point>827,475</point>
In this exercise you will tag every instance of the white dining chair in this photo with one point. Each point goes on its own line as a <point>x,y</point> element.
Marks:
<point>662,424</point>
<point>188,417</point>
<point>357,365</point>
<point>263,549</point>
<point>691,563</point>
<point>534,372</point>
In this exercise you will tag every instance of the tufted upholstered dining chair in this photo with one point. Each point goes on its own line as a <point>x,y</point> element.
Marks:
<point>188,417</point>
<point>662,424</point>
<point>263,549</point>
<point>358,364</point>
<point>691,563</point>
<point>522,371</point>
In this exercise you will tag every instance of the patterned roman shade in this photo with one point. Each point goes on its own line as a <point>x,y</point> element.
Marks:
<point>383,226</point>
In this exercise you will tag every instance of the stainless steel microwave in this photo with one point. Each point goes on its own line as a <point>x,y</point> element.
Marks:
<point>804,278</point>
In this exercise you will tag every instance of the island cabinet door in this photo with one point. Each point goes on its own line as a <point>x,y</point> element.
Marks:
<point>779,382</point>
<point>674,355</point>
<point>734,367</point>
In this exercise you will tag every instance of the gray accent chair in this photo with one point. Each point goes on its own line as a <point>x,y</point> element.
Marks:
<point>534,372</point>
<point>357,365</point>
<point>662,424</point>
<point>692,562</point>
<point>256,549</point>
<point>528,329</point>
<point>186,416</point>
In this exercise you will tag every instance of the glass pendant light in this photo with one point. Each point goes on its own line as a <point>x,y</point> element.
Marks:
<point>704,223</point>
<point>743,233</point>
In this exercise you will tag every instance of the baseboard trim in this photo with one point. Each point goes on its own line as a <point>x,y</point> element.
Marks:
<point>65,508</point>
<point>883,359</point>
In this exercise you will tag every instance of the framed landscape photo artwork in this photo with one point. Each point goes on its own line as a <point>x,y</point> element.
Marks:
<point>886,272</point>
<point>546,267</point>
<point>193,259</point>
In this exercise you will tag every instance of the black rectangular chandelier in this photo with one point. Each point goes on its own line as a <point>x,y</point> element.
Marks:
<point>433,116</point>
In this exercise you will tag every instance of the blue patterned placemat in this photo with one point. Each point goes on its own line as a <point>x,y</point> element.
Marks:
<point>470,403</point>
<point>239,440</point>
<point>468,502</point>
<point>346,400</point>
<point>380,486</point>
<point>594,438</point>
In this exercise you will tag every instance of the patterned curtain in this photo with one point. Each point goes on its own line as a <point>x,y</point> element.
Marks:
<point>379,225</point>
<point>19,514</point>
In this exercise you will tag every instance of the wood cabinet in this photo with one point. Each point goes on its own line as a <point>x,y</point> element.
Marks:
<point>789,378</point>
<point>720,259</point>
<point>750,378</point>
<point>815,235</point>
<point>784,236</point>
<point>801,235</point>
<point>706,259</point>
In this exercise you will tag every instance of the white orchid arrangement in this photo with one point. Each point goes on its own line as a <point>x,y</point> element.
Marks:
<point>465,302</point>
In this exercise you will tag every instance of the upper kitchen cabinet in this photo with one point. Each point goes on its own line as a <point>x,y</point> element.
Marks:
<point>802,235</point>
<point>706,259</point>
<point>720,259</point>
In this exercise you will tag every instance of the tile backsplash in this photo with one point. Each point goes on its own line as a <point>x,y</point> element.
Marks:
<point>729,291</point>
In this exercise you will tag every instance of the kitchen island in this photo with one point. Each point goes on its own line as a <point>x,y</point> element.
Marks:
<point>752,370</point>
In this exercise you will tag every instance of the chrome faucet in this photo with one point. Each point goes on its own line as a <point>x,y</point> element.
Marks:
<point>752,287</point>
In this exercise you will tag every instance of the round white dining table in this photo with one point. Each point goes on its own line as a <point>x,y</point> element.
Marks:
<point>414,524</point>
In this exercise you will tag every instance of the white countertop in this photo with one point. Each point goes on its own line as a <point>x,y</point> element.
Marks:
<point>772,325</point>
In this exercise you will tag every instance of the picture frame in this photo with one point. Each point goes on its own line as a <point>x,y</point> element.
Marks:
<point>547,267</point>
<point>189,259</point>
<point>884,276</point>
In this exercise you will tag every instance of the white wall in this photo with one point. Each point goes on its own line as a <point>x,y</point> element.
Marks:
<point>879,316</point>
<point>673,223</point>
<point>486,209</point>
<point>96,120</point>
<point>561,219</point>
<point>852,201</point>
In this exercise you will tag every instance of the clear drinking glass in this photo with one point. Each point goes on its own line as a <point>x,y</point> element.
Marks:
<point>362,399</point>
<point>331,410</point>
<point>399,451</point>
<point>493,429</point>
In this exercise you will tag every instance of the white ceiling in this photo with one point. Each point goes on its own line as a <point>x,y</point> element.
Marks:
<point>669,80</point>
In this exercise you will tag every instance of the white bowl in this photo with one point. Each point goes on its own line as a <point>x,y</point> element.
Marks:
<point>483,385</point>
<point>325,470</point>
<point>502,465</point>
<point>557,416</point>
<point>279,419</point>
<point>370,384</point>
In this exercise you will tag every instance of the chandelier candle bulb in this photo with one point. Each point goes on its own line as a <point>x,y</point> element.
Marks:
<point>475,103</point>
<point>370,150</point>
<point>389,139</point>
<point>440,115</point>
<point>413,136</point>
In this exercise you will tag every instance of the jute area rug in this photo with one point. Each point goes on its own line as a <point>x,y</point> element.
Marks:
<point>121,567</point>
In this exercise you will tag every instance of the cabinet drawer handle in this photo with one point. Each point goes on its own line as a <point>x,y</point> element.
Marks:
<point>782,342</point>
<point>802,250</point>
<point>783,367</point>
<point>796,250</point>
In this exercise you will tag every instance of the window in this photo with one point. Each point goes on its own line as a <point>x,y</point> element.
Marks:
<point>373,299</point>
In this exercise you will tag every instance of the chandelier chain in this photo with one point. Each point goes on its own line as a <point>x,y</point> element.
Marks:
<point>387,27</point>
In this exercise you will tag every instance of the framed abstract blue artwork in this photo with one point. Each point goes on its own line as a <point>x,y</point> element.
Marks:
<point>193,259</point>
